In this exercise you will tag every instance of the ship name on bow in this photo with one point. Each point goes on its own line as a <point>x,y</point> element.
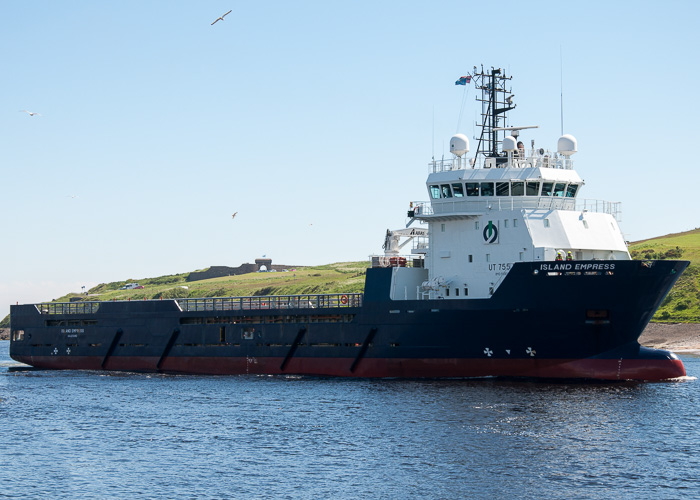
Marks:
<point>568,266</point>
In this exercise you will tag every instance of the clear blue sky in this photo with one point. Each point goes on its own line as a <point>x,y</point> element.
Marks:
<point>312,120</point>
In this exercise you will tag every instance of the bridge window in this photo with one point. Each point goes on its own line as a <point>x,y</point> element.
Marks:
<point>446,192</point>
<point>517,188</point>
<point>571,190</point>
<point>472,189</point>
<point>547,188</point>
<point>559,188</point>
<point>502,188</point>
<point>458,190</point>
<point>487,189</point>
<point>435,192</point>
<point>532,188</point>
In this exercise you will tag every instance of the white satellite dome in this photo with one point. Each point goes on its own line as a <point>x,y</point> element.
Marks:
<point>459,144</point>
<point>567,145</point>
<point>510,143</point>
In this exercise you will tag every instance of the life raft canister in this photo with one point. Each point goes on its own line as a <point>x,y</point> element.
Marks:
<point>397,261</point>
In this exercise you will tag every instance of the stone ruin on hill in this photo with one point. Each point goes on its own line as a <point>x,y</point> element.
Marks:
<point>219,271</point>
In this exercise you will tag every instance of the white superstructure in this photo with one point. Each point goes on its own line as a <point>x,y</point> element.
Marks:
<point>487,213</point>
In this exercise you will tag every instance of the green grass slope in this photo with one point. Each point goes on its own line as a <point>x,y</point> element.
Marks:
<point>682,304</point>
<point>343,277</point>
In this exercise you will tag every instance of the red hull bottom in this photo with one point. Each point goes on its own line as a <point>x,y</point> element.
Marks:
<point>601,369</point>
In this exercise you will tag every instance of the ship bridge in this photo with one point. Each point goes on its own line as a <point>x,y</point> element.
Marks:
<point>517,207</point>
<point>537,180</point>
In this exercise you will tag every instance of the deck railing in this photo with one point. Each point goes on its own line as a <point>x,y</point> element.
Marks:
<point>533,159</point>
<point>67,307</point>
<point>308,301</point>
<point>411,260</point>
<point>477,205</point>
<point>313,301</point>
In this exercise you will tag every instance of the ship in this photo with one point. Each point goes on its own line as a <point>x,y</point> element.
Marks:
<point>510,273</point>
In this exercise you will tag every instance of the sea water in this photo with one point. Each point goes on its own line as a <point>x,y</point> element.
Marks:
<point>68,434</point>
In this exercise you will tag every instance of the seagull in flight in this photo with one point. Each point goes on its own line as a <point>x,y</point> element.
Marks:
<point>30,113</point>
<point>234,215</point>
<point>220,18</point>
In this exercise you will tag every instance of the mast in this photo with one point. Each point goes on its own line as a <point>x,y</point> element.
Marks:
<point>495,100</point>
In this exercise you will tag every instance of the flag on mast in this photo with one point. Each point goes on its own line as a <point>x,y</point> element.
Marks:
<point>463,80</point>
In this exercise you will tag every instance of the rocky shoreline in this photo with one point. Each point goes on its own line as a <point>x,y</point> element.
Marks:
<point>677,337</point>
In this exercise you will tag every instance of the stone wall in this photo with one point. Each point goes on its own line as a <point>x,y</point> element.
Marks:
<point>219,271</point>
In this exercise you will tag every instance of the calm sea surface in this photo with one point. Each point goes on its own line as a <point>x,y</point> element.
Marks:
<point>89,434</point>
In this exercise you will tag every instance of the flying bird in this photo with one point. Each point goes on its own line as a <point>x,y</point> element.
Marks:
<point>30,113</point>
<point>234,215</point>
<point>220,18</point>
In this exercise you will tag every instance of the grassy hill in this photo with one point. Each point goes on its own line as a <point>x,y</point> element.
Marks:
<point>341,277</point>
<point>682,305</point>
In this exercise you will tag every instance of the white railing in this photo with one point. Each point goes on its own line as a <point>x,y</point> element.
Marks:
<point>534,159</point>
<point>476,205</point>
<point>600,206</point>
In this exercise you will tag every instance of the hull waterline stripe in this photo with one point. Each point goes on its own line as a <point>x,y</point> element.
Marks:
<point>601,369</point>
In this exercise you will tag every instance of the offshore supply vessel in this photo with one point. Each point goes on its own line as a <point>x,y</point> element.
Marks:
<point>510,273</point>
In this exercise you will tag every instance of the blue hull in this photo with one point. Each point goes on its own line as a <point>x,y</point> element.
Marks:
<point>544,320</point>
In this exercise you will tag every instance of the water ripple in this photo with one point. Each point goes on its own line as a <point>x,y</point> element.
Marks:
<point>91,434</point>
